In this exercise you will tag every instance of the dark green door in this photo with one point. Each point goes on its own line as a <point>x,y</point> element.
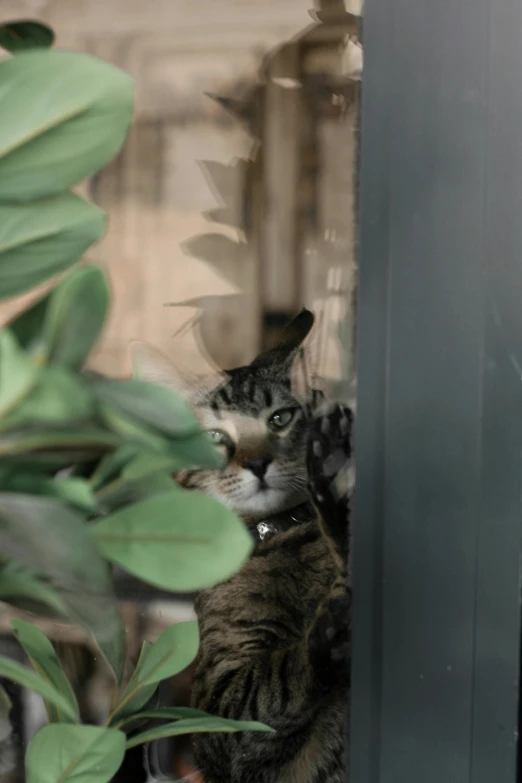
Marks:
<point>439,434</point>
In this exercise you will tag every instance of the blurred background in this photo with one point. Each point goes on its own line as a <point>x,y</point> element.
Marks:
<point>231,206</point>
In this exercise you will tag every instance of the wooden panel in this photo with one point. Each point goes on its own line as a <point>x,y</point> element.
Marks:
<point>281,143</point>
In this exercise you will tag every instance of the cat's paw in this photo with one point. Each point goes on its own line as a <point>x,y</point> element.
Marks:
<point>331,470</point>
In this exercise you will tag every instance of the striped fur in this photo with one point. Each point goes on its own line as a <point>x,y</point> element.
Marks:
<point>275,648</point>
<point>275,637</point>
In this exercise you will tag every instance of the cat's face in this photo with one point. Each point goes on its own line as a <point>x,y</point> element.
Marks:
<point>255,421</point>
<point>260,429</point>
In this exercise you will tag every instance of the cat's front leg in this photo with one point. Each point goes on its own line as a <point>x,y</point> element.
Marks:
<point>331,473</point>
<point>331,478</point>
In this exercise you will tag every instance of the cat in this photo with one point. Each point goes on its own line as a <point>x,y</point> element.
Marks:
<point>275,638</point>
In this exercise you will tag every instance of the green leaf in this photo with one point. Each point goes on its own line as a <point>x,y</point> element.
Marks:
<point>157,407</point>
<point>63,326</point>
<point>174,713</point>
<point>20,587</point>
<point>196,725</point>
<point>146,647</point>
<point>139,699</point>
<point>124,426</point>
<point>53,541</point>
<point>27,326</point>
<point>71,443</point>
<point>58,397</point>
<point>65,115</point>
<point>74,491</point>
<point>160,713</point>
<point>179,540</point>
<point>145,465</point>
<point>122,492</point>
<point>111,465</point>
<point>20,36</point>
<point>41,239</point>
<point>45,662</point>
<point>130,703</point>
<point>75,316</point>
<point>74,754</point>
<point>196,451</point>
<point>17,372</point>
<point>35,682</point>
<point>173,651</point>
<point>5,709</point>
<point>106,627</point>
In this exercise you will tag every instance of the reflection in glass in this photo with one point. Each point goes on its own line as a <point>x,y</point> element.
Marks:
<point>232,206</point>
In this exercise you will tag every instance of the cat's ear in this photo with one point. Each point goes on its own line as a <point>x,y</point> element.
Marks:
<point>285,353</point>
<point>150,364</point>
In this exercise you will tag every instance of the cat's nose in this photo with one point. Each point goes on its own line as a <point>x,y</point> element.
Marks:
<point>257,466</point>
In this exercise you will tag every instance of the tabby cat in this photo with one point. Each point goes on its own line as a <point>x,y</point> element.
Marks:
<point>275,637</point>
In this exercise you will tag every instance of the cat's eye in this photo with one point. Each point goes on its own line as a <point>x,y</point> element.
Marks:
<point>224,442</point>
<point>219,438</point>
<point>281,419</point>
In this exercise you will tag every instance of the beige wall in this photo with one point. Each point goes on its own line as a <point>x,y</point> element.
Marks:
<point>157,195</point>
